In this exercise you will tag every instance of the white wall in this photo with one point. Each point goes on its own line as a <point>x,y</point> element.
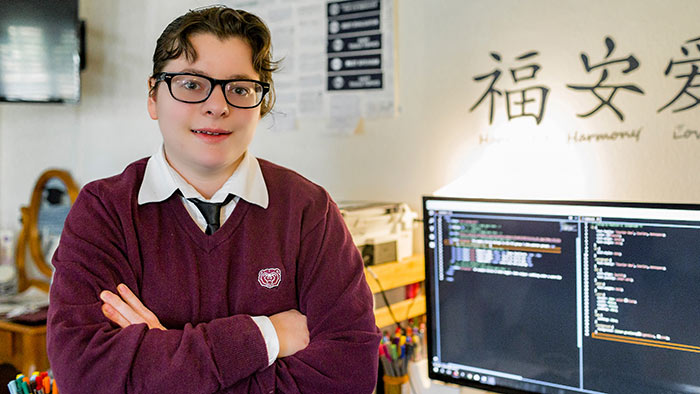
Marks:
<point>110,127</point>
<point>434,140</point>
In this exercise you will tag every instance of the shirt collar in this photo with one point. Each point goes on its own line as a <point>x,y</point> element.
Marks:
<point>160,181</point>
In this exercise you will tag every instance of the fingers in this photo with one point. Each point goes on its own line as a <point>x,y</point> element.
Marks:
<point>136,304</point>
<point>125,308</point>
<point>113,315</point>
<point>126,311</point>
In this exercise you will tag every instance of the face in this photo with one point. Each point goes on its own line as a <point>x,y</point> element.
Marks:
<point>187,129</point>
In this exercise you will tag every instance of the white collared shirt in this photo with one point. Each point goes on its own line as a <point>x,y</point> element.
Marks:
<point>160,181</point>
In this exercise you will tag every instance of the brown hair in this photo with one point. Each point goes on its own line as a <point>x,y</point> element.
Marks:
<point>223,22</point>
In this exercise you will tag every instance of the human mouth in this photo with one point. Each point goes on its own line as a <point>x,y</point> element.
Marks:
<point>212,132</point>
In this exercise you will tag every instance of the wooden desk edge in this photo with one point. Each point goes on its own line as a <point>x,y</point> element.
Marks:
<point>396,274</point>
<point>22,328</point>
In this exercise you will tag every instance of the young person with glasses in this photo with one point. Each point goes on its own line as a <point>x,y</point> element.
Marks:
<point>203,269</point>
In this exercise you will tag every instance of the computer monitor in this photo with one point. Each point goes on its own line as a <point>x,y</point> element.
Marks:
<point>563,297</point>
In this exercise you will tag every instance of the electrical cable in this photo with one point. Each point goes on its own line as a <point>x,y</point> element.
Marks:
<point>381,290</point>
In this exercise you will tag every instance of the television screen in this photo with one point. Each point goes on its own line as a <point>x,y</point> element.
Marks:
<point>39,51</point>
<point>563,297</point>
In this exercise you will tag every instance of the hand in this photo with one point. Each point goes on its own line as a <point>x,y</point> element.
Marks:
<point>292,331</point>
<point>126,309</point>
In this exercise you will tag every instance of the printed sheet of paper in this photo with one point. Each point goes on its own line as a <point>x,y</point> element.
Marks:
<point>329,80</point>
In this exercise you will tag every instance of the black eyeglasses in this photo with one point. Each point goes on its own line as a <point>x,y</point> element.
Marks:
<point>195,88</point>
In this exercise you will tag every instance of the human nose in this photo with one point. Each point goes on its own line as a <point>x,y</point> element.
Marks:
<point>216,104</point>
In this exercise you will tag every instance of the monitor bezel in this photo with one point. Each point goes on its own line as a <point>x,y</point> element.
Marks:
<point>429,283</point>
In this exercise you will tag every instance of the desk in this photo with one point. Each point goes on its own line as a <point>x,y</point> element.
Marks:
<point>23,346</point>
<point>395,274</point>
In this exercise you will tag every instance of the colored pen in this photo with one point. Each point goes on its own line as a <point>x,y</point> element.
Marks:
<point>32,382</point>
<point>25,385</point>
<point>12,386</point>
<point>385,362</point>
<point>386,351</point>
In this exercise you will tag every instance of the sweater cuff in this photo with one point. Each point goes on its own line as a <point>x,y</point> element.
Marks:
<point>237,346</point>
<point>267,329</point>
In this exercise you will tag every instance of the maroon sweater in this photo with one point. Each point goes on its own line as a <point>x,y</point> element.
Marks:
<point>204,288</point>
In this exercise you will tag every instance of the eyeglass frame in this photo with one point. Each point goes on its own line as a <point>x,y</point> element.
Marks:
<point>167,77</point>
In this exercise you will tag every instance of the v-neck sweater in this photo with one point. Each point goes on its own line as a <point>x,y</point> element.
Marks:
<point>296,254</point>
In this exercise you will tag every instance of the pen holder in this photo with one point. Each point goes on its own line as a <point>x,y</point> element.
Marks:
<point>392,384</point>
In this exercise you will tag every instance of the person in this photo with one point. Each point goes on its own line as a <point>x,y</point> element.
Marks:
<point>158,289</point>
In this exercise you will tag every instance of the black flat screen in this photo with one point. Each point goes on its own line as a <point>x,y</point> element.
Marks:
<point>563,297</point>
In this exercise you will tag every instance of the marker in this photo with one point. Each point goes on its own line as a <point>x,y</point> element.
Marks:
<point>46,384</point>
<point>12,386</point>
<point>24,386</point>
<point>385,362</point>
<point>387,351</point>
<point>405,365</point>
<point>394,352</point>
<point>32,382</point>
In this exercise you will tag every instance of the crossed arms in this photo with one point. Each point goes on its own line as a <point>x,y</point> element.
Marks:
<point>117,344</point>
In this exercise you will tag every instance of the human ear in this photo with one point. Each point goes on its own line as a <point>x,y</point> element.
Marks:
<point>152,110</point>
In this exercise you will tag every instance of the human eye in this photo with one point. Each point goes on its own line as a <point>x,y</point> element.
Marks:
<point>241,89</point>
<point>190,83</point>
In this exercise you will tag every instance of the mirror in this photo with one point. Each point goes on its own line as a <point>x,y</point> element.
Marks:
<point>42,223</point>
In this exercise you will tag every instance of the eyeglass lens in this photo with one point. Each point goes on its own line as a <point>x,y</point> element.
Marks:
<point>191,88</point>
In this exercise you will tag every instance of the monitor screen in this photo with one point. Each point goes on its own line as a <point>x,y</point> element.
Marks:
<point>39,51</point>
<point>563,297</point>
